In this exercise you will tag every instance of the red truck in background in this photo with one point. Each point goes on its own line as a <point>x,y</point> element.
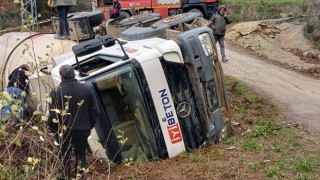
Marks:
<point>163,7</point>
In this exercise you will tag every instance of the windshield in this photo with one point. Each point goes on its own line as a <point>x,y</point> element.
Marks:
<point>122,101</point>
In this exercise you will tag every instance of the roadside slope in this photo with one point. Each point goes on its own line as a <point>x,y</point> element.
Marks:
<point>299,94</point>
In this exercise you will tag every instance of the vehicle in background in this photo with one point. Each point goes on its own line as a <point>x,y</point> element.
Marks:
<point>164,7</point>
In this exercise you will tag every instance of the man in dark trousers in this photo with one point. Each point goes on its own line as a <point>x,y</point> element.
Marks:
<point>18,83</point>
<point>116,9</point>
<point>63,7</point>
<point>73,113</point>
<point>220,21</point>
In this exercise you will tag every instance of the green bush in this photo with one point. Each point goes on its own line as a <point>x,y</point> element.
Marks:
<point>261,10</point>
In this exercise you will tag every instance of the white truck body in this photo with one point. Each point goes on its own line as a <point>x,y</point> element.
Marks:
<point>162,99</point>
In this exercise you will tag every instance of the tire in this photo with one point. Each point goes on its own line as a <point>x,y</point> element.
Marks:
<point>195,10</point>
<point>138,19</point>
<point>125,14</point>
<point>175,20</point>
<point>95,18</point>
<point>138,33</point>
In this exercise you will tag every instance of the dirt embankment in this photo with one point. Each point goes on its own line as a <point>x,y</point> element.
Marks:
<point>278,41</point>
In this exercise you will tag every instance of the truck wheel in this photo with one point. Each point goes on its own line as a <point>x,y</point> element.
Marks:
<point>174,21</point>
<point>125,14</point>
<point>139,18</point>
<point>95,18</point>
<point>195,10</point>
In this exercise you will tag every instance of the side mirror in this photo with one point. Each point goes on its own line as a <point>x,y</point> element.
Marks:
<point>46,70</point>
<point>107,41</point>
<point>87,47</point>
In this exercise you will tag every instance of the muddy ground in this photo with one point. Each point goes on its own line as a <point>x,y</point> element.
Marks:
<point>278,41</point>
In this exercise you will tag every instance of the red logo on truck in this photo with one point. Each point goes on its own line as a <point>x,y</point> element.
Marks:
<point>175,133</point>
<point>172,124</point>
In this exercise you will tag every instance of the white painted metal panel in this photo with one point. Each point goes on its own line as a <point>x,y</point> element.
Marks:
<point>164,106</point>
<point>168,2</point>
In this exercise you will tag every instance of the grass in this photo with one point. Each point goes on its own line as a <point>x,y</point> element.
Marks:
<point>304,164</point>
<point>251,145</point>
<point>276,147</point>
<point>264,130</point>
<point>272,171</point>
<point>264,148</point>
<point>253,167</point>
<point>231,140</point>
<point>254,10</point>
<point>259,149</point>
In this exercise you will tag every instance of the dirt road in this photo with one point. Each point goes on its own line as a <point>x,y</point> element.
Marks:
<point>298,94</point>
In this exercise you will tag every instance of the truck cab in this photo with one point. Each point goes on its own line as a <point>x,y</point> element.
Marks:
<point>158,97</point>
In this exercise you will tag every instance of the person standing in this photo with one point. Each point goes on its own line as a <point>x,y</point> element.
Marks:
<point>116,9</point>
<point>63,7</point>
<point>18,83</point>
<point>73,112</point>
<point>220,21</point>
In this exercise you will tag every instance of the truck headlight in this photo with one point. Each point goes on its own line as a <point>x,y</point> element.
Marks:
<point>224,133</point>
<point>207,44</point>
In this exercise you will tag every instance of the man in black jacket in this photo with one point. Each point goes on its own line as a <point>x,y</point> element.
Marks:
<point>73,112</point>
<point>220,21</point>
<point>18,83</point>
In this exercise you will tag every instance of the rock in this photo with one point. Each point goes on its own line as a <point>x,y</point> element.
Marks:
<point>246,46</point>
<point>284,15</point>
<point>272,36</point>
<point>267,31</point>
<point>283,26</point>
<point>313,54</point>
<point>248,131</point>
<point>305,54</point>
<point>246,28</point>
<point>234,123</point>
<point>274,30</point>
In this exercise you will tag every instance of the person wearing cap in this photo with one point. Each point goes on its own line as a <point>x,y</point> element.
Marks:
<point>18,83</point>
<point>73,113</point>
<point>220,21</point>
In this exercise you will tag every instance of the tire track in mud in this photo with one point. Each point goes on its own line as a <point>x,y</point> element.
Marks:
<point>299,95</point>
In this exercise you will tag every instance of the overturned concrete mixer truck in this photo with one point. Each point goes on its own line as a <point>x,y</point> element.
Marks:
<point>162,95</point>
